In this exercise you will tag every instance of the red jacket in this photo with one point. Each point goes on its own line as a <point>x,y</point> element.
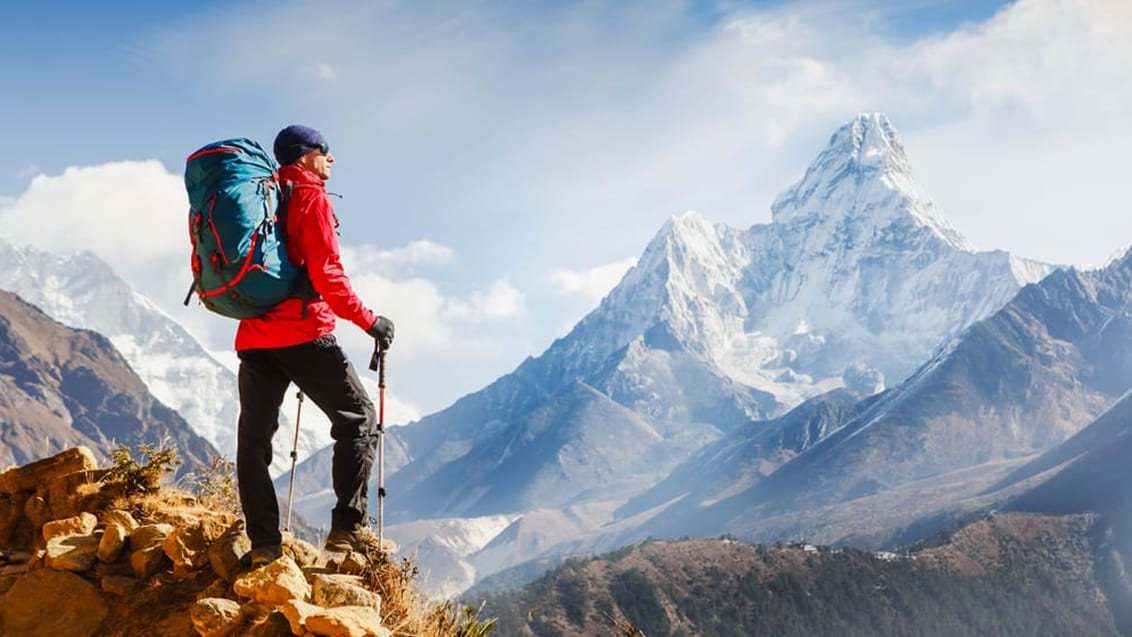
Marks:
<point>312,243</point>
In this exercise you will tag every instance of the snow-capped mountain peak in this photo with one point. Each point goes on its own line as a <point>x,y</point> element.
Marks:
<point>862,184</point>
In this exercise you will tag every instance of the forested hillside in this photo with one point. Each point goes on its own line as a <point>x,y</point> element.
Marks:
<point>1003,575</point>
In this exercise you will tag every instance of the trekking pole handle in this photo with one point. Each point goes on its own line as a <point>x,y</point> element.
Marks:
<point>381,369</point>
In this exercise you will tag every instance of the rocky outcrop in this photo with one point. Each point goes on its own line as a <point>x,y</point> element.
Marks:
<point>76,558</point>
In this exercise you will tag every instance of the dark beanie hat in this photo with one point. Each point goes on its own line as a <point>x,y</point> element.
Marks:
<point>295,141</point>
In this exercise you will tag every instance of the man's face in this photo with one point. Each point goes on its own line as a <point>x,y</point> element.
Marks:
<point>318,162</point>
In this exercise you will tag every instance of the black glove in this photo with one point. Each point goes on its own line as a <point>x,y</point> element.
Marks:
<point>382,332</point>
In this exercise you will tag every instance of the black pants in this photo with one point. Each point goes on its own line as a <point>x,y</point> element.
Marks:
<point>322,373</point>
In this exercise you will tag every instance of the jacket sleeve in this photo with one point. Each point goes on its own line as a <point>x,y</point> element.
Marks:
<point>317,241</point>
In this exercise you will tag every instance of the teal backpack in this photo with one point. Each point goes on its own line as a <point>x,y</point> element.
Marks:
<point>239,260</point>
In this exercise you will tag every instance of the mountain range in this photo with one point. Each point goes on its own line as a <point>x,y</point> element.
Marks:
<point>82,291</point>
<point>707,343</point>
<point>851,372</point>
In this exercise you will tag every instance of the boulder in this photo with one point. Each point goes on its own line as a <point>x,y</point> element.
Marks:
<point>147,562</point>
<point>119,584</point>
<point>297,612</point>
<point>30,476</point>
<point>81,524</point>
<point>187,546</point>
<point>120,517</point>
<point>149,535</point>
<point>333,590</point>
<point>56,603</point>
<point>347,621</point>
<point>75,553</point>
<point>216,617</point>
<point>113,541</point>
<point>226,553</point>
<point>274,584</point>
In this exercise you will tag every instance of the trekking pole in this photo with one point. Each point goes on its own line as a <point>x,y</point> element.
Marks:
<point>294,457</point>
<point>378,363</point>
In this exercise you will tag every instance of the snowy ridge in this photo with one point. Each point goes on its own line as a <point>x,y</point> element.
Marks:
<point>81,291</point>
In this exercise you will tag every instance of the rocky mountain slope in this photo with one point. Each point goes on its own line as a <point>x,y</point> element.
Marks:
<point>61,387</point>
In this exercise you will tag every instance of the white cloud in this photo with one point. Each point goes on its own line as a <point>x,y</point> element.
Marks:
<point>594,283</point>
<point>421,252</point>
<point>501,301</point>
<point>130,213</point>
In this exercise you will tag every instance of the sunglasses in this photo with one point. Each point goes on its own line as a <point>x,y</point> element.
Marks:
<point>324,147</point>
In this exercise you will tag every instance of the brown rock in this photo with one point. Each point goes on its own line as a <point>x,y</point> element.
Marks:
<point>297,612</point>
<point>226,553</point>
<point>347,621</point>
<point>304,552</point>
<point>15,529</point>
<point>56,603</point>
<point>335,590</point>
<point>119,584</point>
<point>120,517</point>
<point>216,617</point>
<point>81,524</point>
<point>274,624</point>
<point>75,553</point>
<point>218,588</point>
<point>66,494</point>
<point>112,542</point>
<point>147,562</point>
<point>31,476</point>
<point>149,535</point>
<point>37,511</point>
<point>187,546</point>
<point>274,584</point>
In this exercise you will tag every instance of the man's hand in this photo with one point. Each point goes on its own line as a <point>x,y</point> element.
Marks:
<point>382,332</point>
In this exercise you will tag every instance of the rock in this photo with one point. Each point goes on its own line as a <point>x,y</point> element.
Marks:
<point>147,562</point>
<point>218,588</point>
<point>15,528</point>
<point>81,524</point>
<point>305,553</point>
<point>56,603</point>
<point>273,625</point>
<point>113,541</point>
<point>347,621</point>
<point>122,518</point>
<point>297,612</point>
<point>68,495</point>
<point>119,584</point>
<point>187,546</point>
<point>274,584</point>
<point>36,511</point>
<point>216,617</point>
<point>149,535</point>
<point>226,553</point>
<point>331,591</point>
<point>75,553</point>
<point>31,476</point>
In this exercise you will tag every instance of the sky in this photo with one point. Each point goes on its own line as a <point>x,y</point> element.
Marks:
<point>502,164</point>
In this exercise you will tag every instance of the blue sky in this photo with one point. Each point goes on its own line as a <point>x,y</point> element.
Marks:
<point>502,163</point>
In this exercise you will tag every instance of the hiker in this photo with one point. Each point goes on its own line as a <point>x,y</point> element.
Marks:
<point>294,343</point>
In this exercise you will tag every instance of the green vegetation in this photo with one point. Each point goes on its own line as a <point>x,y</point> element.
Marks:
<point>137,478</point>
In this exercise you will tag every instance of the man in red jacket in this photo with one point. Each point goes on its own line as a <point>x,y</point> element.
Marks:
<point>294,343</point>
